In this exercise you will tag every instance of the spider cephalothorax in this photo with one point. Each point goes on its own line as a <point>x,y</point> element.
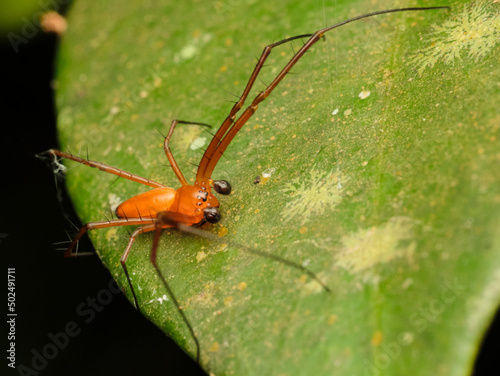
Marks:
<point>197,202</point>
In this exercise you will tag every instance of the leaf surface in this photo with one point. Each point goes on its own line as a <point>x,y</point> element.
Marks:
<point>386,177</point>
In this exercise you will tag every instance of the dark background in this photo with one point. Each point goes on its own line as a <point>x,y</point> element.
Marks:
<point>119,341</point>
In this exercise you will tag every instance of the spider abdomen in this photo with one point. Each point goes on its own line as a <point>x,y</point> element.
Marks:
<point>147,204</point>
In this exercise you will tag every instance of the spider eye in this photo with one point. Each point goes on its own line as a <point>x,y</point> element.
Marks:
<point>211,215</point>
<point>222,186</point>
<point>198,203</point>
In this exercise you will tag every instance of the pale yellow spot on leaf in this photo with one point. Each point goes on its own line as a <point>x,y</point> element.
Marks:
<point>366,248</point>
<point>222,232</point>
<point>200,256</point>
<point>111,234</point>
<point>332,319</point>
<point>313,286</point>
<point>377,338</point>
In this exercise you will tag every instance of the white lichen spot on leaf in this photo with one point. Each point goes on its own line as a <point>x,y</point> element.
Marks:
<point>193,47</point>
<point>189,137</point>
<point>114,201</point>
<point>312,196</point>
<point>164,298</point>
<point>198,143</point>
<point>476,30</point>
<point>365,249</point>
<point>266,175</point>
<point>364,94</point>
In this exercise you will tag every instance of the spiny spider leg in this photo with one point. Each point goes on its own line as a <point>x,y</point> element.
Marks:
<point>123,260</point>
<point>127,175</point>
<point>172,219</point>
<point>219,144</point>
<point>238,105</point>
<point>161,224</point>
<point>168,152</point>
<point>245,248</point>
<point>106,168</point>
<point>103,224</point>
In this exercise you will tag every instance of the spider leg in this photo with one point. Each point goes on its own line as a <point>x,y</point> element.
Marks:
<point>237,107</point>
<point>106,168</point>
<point>246,248</point>
<point>216,147</point>
<point>148,225</point>
<point>178,220</point>
<point>170,219</point>
<point>103,224</point>
<point>168,152</point>
<point>123,260</point>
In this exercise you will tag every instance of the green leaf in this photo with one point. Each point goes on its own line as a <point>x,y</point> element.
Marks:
<point>385,152</point>
<point>22,17</point>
